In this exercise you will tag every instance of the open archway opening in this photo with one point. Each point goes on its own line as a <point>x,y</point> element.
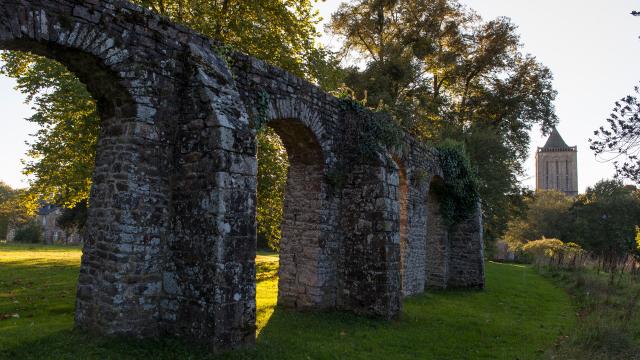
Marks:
<point>437,239</point>
<point>72,96</point>
<point>299,283</point>
<point>110,163</point>
<point>79,106</point>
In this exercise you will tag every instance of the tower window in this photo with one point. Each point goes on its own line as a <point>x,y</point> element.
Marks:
<point>546,173</point>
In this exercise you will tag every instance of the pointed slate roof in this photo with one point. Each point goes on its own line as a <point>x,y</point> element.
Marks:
<point>555,141</point>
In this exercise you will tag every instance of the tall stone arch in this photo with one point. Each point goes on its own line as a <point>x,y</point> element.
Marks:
<point>119,284</point>
<point>169,243</point>
<point>171,235</point>
<point>307,276</point>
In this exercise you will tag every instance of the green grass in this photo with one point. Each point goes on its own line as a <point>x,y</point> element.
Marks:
<point>609,312</point>
<point>520,315</point>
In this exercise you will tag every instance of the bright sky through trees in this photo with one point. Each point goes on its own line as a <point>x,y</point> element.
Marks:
<point>591,46</point>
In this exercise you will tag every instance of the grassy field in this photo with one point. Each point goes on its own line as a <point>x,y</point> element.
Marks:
<point>520,315</point>
<point>609,313</point>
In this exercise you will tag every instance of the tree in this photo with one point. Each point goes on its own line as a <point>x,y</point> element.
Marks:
<point>6,192</point>
<point>72,220</point>
<point>547,216</point>
<point>13,210</point>
<point>553,252</point>
<point>29,233</point>
<point>620,142</point>
<point>606,217</point>
<point>63,150</point>
<point>272,177</point>
<point>637,248</point>
<point>442,73</point>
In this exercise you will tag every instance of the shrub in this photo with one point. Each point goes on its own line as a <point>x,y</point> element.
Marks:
<point>553,252</point>
<point>29,233</point>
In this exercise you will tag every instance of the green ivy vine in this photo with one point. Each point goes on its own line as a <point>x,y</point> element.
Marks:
<point>261,116</point>
<point>224,52</point>
<point>372,132</point>
<point>458,193</point>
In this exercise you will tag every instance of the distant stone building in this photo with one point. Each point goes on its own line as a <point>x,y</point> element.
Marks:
<point>557,166</point>
<point>47,218</point>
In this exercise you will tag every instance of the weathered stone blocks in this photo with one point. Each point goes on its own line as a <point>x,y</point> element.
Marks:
<point>171,235</point>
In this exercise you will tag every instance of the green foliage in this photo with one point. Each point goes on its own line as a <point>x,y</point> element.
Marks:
<point>273,166</point>
<point>606,217</point>
<point>420,177</point>
<point>458,194</point>
<point>620,142</point>
<point>545,251</point>
<point>546,215</point>
<point>453,324</point>
<point>262,111</point>
<point>62,152</point>
<point>73,219</point>
<point>29,233</point>
<point>637,252</point>
<point>6,193</point>
<point>14,212</point>
<point>443,72</point>
<point>603,220</point>
<point>372,133</point>
<point>281,32</point>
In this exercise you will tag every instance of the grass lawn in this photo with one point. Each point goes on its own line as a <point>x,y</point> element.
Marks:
<point>520,315</point>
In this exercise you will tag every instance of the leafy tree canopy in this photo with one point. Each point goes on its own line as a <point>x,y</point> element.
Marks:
<point>606,217</point>
<point>546,216</point>
<point>443,72</point>
<point>603,220</point>
<point>12,211</point>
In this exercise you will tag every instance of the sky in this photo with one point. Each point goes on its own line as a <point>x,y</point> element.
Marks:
<point>591,46</point>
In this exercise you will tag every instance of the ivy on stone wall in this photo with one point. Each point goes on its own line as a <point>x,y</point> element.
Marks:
<point>224,52</point>
<point>373,132</point>
<point>458,193</point>
<point>262,110</point>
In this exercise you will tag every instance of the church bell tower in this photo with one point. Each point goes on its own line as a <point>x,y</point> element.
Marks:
<point>557,166</point>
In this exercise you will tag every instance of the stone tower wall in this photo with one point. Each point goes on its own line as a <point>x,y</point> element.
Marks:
<point>557,170</point>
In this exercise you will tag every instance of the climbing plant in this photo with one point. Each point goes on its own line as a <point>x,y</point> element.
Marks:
<point>261,115</point>
<point>372,132</point>
<point>458,193</point>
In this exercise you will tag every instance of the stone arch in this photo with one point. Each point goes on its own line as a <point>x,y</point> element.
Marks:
<point>172,219</point>
<point>307,269</point>
<point>118,286</point>
<point>437,239</point>
<point>295,110</point>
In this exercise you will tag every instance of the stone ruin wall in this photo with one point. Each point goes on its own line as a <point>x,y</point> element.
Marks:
<point>170,242</point>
